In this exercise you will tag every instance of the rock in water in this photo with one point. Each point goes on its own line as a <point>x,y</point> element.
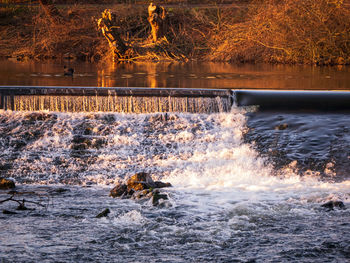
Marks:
<point>6,183</point>
<point>157,196</point>
<point>143,181</point>
<point>7,212</point>
<point>21,207</point>
<point>333,204</point>
<point>140,181</point>
<point>104,213</point>
<point>119,191</point>
<point>160,184</point>
<point>141,186</point>
<point>142,194</point>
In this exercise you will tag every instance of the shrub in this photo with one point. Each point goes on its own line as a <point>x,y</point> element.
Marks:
<point>289,31</point>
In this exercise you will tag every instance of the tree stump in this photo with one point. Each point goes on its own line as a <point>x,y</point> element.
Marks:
<point>108,26</point>
<point>138,49</point>
<point>156,17</point>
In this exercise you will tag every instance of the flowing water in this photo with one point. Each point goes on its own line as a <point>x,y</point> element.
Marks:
<point>124,104</point>
<point>247,186</point>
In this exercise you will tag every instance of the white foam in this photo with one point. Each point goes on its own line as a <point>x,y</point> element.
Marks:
<point>198,153</point>
<point>132,217</point>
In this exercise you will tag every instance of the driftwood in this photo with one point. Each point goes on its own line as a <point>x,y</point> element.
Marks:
<point>21,202</point>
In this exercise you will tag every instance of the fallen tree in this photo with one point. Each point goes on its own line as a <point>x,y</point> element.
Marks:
<point>21,201</point>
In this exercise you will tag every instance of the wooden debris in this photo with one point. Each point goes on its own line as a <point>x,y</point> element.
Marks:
<point>110,30</point>
<point>156,17</point>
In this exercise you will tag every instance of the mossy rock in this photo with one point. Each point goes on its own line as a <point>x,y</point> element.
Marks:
<point>118,191</point>
<point>140,181</point>
<point>141,186</point>
<point>6,184</point>
<point>104,213</point>
<point>157,196</point>
<point>143,181</point>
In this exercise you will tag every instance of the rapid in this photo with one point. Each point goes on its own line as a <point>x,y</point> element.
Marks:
<point>247,186</point>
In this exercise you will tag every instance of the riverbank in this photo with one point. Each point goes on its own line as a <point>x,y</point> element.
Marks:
<point>303,32</point>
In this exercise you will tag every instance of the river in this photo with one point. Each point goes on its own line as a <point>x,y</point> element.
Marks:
<point>248,185</point>
<point>177,75</point>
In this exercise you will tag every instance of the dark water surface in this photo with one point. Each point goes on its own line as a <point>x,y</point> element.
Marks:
<point>309,141</point>
<point>247,185</point>
<point>189,75</point>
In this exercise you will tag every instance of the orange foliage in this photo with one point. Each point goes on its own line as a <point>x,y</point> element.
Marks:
<point>288,31</point>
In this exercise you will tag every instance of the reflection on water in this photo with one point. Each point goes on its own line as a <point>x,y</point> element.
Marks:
<point>189,75</point>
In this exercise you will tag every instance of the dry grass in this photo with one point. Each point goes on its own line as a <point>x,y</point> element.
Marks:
<point>11,20</point>
<point>278,31</point>
<point>30,34</point>
<point>185,37</point>
<point>288,31</point>
<point>78,37</point>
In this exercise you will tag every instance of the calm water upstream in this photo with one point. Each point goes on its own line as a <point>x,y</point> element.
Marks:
<point>192,75</point>
<point>247,185</point>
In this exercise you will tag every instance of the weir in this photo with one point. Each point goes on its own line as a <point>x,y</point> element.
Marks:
<point>146,100</point>
<point>294,99</point>
<point>130,100</point>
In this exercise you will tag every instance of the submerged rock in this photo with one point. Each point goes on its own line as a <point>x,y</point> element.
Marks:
<point>6,183</point>
<point>79,146</point>
<point>151,194</point>
<point>60,190</point>
<point>104,213</point>
<point>142,194</point>
<point>18,144</point>
<point>8,212</point>
<point>281,127</point>
<point>157,196</point>
<point>141,186</point>
<point>21,207</point>
<point>81,139</point>
<point>333,204</point>
<point>38,116</point>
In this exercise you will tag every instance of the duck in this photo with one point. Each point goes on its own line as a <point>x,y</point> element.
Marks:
<point>68,71</point>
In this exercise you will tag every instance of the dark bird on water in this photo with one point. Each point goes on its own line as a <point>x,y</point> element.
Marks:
<point>68,71</point>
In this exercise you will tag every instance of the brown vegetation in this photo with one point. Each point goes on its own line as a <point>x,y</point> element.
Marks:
<point>278,31</point>
<point>27,33</point>
<point>288,31</point>
<point>160,36</point>
<point>175,34</point>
